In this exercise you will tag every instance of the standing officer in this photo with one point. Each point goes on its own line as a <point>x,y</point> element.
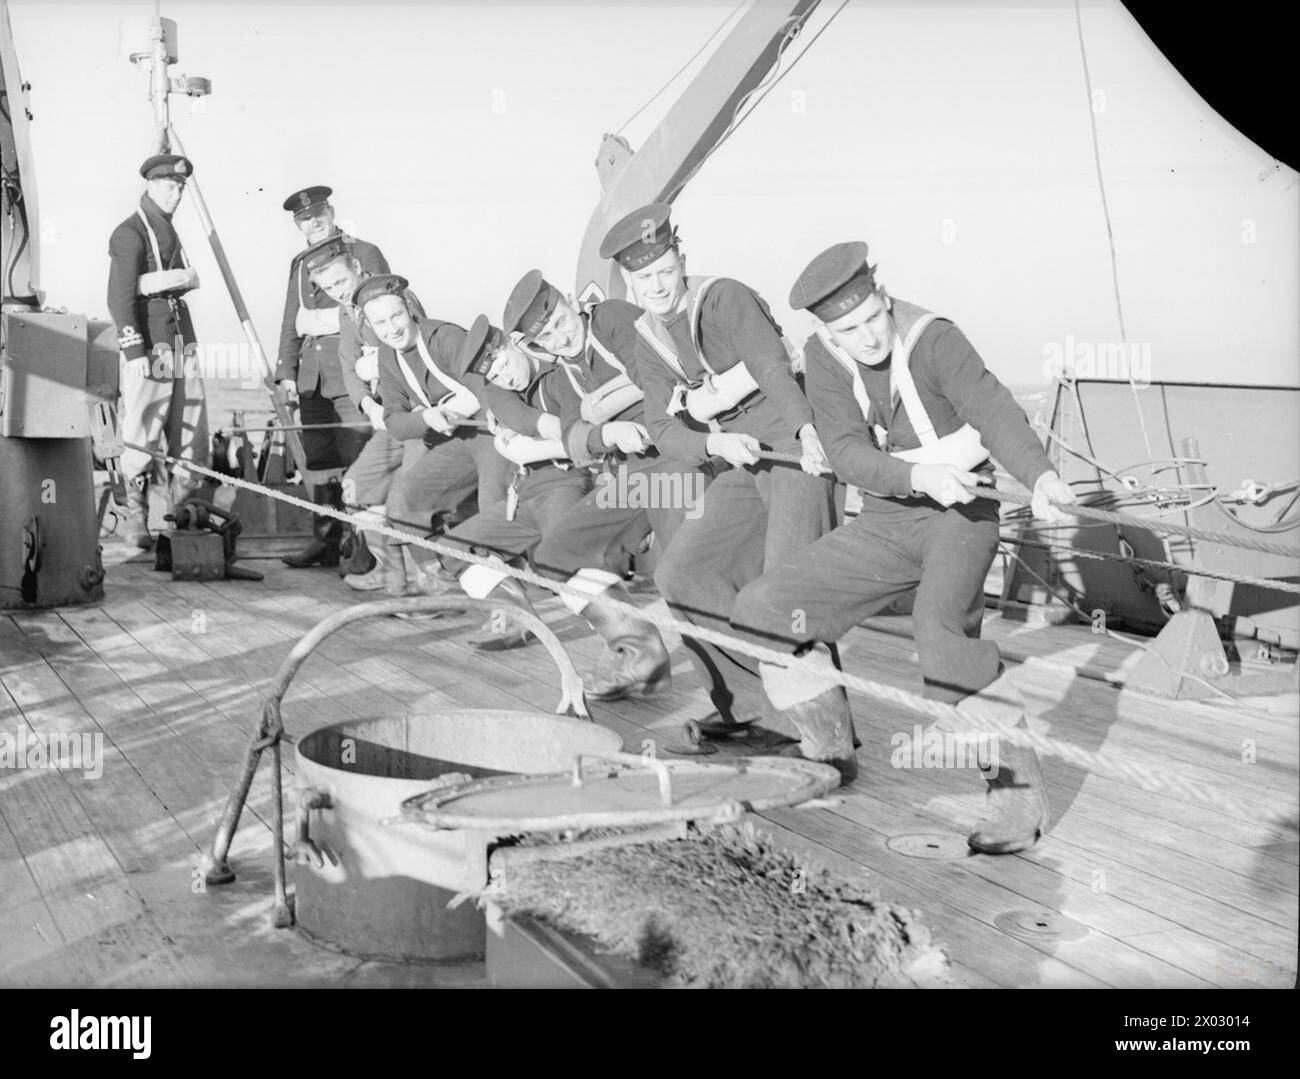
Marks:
<point>718,382</point>
<point>433,406</point>
<point>603,422</point>
<point>309,368</point>
<point>906,407</point>
<point>163,405</point>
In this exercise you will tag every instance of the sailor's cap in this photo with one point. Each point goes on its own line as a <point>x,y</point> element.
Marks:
<point>480,349</point>
<point>383,284</point>
<point>641,237</point>
<point>301,202</point>
<point>835,282</point>
<point>325,252</point>
<point>173,165</point>
<point>531,302</point>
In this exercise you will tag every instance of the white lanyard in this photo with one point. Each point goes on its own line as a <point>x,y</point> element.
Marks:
<point>901,383</point>
<point>153,243</point>
<point>449,383</point>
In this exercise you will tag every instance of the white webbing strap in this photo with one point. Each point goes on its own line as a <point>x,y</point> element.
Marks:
<point>901,382</point>
<point>153,243</point>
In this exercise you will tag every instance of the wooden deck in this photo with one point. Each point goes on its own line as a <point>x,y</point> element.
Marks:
<point>97,875</point>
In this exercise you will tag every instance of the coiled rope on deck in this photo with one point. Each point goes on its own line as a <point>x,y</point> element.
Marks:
<point>1154,780</point>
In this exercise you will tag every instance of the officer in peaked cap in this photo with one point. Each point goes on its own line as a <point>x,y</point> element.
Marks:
<point>172,166</point>
<point>718,382</point>
<point>309,369</point>
<point>910,414</point>
<point>163,405</point>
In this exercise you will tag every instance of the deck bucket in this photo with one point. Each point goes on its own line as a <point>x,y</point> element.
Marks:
<point>387,895</point>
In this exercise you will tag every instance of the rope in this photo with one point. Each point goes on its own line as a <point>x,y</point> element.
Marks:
<point>1120,769</point>
<point>1110,232</point>
<point>678,72</point>
<point>768,84</point>
<point>1064,598</point>
<point>1089,513</point>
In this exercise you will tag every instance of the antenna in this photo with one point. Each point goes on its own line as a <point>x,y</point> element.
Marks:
<point>152,44</point>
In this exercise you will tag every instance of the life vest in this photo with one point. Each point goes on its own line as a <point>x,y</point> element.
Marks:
<point>458,398</point>
<point>609,398</point>
<point>718,392</point>
<point>962,448</point>
<point>313,321</point>
<point>164,282</point>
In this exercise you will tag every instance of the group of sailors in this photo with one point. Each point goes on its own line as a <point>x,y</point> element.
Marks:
<point>494,439</point>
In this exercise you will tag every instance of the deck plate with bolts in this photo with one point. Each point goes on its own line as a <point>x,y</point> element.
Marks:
<point>938,845</point>
<point>1040,925</point>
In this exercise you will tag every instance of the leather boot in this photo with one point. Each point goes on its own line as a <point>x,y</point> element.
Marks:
<point>1017,803</point>
<point>355,556</point>
<point>323,550</point>
<point>826,730</point>
<point>501,632</point>
<point>635,663</point>
<point>387,566</point>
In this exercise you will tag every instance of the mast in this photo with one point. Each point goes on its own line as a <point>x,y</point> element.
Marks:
<point>695,124</point>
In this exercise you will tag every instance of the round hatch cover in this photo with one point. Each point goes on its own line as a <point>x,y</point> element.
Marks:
<point>621,791</point>
<point>1040,925</point>
<point>943,845</point>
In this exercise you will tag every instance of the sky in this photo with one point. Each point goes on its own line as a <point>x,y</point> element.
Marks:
<point>955,138</point>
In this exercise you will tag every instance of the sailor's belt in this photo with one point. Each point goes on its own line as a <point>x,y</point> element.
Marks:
<point>615,396</point>
<point>166,284</point>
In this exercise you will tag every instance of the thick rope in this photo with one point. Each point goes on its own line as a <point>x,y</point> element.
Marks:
<point>1123,770</point>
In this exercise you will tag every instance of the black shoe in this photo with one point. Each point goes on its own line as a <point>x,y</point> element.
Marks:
<point>317,553</point>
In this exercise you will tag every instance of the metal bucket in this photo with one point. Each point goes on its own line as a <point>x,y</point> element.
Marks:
<point>387,895</point>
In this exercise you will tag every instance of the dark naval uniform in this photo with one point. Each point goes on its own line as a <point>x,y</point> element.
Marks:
<point>753,517</point>
<point>902,542</point>
<point>370,477</point>
<point>166,408</point>
<point>544,492</point>
<point>591,538</point>
<point>309,351</point>
<point>447,469</point>
<point>930,398</point>
<point>634,492</point>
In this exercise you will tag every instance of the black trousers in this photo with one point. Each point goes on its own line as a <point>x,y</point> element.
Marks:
<point>336,448</point>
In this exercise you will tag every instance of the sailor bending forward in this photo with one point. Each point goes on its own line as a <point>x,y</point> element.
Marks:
<point>909,413</point>
<point>433,406</point>
<point>718,383</point>
<point>603,423</point>
<point>522,395</point>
